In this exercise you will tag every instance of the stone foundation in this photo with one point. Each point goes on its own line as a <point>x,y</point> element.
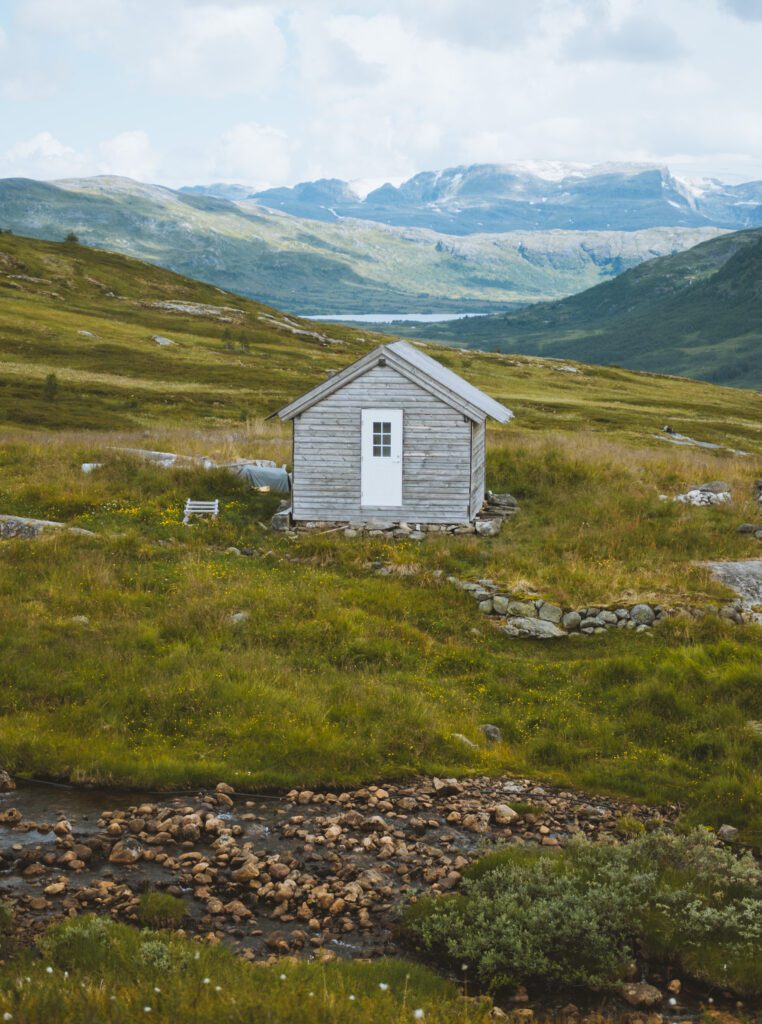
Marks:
<point>495,509</point>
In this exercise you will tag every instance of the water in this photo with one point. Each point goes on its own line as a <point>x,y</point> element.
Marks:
<point>391,318</point>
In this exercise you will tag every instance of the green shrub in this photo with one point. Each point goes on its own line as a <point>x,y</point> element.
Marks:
<point>578,917</point>
<point>6,916</point>
<point>629,827</point>
<point>161,910</point>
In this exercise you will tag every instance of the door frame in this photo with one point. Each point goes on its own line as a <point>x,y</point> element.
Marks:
<point>381,472</point>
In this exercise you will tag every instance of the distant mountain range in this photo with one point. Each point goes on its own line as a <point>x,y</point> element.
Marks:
<point>697,314</point>
<point>514,197</point>
<point>344,266</point>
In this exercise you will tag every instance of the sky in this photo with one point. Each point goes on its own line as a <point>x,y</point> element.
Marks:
<point>182,92</point>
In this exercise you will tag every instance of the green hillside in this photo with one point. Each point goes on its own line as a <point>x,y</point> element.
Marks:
<point>697,314</point>
<point>118,657</point>
<point>346,266</point>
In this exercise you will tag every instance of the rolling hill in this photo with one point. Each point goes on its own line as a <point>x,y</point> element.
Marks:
<point>349,266</point>
<point>696,314</point>
<point>91,318</point>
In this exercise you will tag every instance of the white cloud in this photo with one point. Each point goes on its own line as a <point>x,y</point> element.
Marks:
<point>42,156</point>
<point>129,154</point>
<point>215,50</point>
<point>253,154</point>
<point>285,90</point>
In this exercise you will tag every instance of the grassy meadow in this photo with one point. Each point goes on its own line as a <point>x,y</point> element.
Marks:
<point>91,969</point>
<point>118,656</point>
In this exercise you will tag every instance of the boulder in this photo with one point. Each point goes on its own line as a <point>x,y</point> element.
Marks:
<point>643,614</point>
<point>524,609</point>
<point>504,815</point>
<point>500,603</point>
<point>6,783</point>
<point>532,629</point>
<point>571,620</point>
<point>640,993</point>
<point>487,527</point>
<point>727,833</point>
<point>492,733</point>
<point>550,612</point>
<point>281,521</point>
<point>126,851</point>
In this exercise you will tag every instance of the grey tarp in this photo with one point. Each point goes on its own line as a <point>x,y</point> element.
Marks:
<point>276,478</point>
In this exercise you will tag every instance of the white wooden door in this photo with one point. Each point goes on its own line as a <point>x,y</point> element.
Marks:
<point>381,462</point>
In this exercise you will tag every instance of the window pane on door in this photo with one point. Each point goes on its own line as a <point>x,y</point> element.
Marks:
<point>382,440</point>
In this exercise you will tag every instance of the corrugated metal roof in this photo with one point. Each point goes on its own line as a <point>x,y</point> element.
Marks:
<point>407,359</point>
<point>450,380</point>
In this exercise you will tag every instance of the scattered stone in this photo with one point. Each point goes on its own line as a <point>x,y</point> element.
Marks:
<point>727,833</point>
<point>238,617</point>
<point>640,993</point>
<point>487,527</point>
<point>504,815</point>
<point>6,783</point>
<point>126,851</point>
<point>161,340</point>
<point>492,733</point>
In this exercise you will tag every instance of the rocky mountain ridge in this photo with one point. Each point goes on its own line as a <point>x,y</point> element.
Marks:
<point>477,198</point>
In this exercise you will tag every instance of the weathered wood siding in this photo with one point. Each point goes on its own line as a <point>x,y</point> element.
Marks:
<point>478,466</point>
<point>436,454</point>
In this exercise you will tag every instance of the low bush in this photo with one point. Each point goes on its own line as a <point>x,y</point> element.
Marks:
<point>161,910</point>
<point>578,917</point>
<point>93,969</point>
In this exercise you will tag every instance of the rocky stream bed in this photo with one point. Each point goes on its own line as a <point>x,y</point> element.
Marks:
<point>307,873</point>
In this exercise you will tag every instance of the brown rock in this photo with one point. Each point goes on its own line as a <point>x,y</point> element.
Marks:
<point>126,851</point>
<point>640,993</point>
<point>504,815</point>
<point>237,909</point>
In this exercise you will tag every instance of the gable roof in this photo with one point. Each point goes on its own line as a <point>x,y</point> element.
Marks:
<point>417,367</point>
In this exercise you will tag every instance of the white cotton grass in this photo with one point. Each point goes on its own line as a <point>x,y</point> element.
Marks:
<point>418,1014</point>
<point>7,1016</point>
<point>383,986</point>
<point>283,977</point>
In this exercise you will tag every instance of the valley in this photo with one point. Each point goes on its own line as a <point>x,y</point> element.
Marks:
<point>696,314</point>
<point>347,266</point>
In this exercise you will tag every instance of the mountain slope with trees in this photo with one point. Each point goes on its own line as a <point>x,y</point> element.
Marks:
<point>696,314</point>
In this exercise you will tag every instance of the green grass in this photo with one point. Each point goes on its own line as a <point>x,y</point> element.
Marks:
<point>342,676</point>
<point>339,675</point>
<point>91,969</point>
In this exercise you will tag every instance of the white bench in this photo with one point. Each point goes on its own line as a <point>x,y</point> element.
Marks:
<point>200,508</point>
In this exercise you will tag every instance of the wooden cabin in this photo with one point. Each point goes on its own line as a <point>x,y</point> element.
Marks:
<point>394,437</point>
